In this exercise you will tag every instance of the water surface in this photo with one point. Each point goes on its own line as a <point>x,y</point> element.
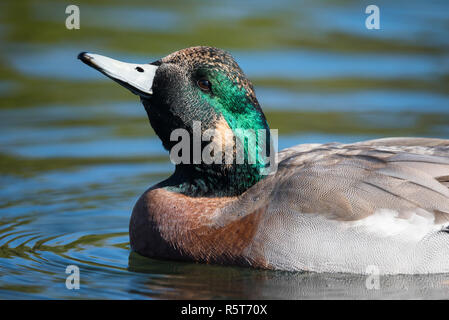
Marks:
<point>76,150</point>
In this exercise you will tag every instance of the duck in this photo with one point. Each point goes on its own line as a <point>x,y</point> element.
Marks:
<point>378,206</point>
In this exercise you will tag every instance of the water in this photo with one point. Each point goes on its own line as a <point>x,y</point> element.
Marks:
<point>76,150</point>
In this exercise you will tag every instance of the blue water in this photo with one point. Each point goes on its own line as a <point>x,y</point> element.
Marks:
<point>76,150</point>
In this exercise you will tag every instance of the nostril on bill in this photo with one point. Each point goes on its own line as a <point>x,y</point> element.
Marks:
<point>139,69</point>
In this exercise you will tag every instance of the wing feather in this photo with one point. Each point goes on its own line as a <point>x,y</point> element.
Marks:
<point>351,182</point>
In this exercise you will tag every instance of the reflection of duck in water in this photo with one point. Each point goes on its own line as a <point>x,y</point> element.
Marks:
<point>178,280</point>
<point>327,208</point>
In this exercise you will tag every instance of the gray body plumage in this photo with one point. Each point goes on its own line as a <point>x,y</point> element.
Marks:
<point>378,205</point>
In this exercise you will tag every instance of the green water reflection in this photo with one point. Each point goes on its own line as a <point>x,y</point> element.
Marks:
<point>76,150</point>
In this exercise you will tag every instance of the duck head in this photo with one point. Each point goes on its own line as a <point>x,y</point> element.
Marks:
<point>199,88</point>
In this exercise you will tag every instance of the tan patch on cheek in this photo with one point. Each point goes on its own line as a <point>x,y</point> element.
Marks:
<point>224,132</point>
<point>224,137</point>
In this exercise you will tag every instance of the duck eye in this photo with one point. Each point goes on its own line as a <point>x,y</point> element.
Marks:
<point>204,84</point>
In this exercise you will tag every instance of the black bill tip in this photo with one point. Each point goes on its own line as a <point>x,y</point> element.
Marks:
<point>84,57</point>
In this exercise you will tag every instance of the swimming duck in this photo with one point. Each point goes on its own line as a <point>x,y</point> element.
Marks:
<point>374,206</point>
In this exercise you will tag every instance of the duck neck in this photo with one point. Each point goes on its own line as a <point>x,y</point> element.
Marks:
<point>212,181</point>
<point>251,162</point>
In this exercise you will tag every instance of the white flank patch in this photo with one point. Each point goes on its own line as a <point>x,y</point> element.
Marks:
<point>387,223</point>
